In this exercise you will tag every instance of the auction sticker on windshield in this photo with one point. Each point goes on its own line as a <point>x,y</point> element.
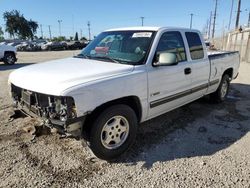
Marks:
<point>142,34</point>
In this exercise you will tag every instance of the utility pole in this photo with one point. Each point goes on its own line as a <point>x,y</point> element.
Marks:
<point>49,32</point>
<point>59,22</point>
<point>89,30</point>
<point>215,15</point>
<point>73,24</point>
<point>81,33</point>
<point>210,23</point>
<point>207,28</point>
<point>248,24</point>
<point>41,27</point>
<point>191,20</point>
<point>238,15</point>
<point>142,21</point>
<point>231,13</point>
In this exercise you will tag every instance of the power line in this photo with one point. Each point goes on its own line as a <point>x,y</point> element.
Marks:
<point>238,15</point>
<point>215,15</point>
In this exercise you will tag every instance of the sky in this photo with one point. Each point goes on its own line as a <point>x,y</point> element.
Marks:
<point>106,14</point>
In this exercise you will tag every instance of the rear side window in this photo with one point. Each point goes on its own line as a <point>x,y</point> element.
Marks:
<point>195,45</point>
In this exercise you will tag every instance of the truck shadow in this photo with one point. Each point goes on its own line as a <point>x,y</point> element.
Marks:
<point>4,67</point>
<point>197,129</point>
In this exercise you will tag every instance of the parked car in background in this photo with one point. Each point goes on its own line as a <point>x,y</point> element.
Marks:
<point>54,46</point>
<point>76,45</point>
<point>15,43</point>
<point>2,43</point>
<point>8,54</point>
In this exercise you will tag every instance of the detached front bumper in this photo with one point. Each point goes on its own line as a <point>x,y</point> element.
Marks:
<point>55,111</point>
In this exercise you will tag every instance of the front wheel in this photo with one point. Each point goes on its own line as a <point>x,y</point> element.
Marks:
<point>113,132</point>
<point>221,93</point>
<point>9,58</point>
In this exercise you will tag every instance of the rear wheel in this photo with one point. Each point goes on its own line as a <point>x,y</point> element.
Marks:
<point>9,58</point>
<point>113,132</point>
<point>221,93</point>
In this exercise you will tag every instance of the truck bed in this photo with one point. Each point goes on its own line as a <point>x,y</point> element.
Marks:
<point>223,60</point>
<point>215,54</point>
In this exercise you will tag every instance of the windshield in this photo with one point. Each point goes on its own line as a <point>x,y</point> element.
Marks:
<point>127,47</point>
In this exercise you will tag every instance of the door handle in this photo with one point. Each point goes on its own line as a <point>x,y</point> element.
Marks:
<point>187,70</point>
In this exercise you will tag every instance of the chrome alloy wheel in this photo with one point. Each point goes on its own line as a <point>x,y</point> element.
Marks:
<point>115,132</point>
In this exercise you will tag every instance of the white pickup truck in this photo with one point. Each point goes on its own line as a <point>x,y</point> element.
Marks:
<point>8,54</point>
<point>122,78</point>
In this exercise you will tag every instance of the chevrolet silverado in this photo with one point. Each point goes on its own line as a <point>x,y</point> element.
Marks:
<point>122,78</point>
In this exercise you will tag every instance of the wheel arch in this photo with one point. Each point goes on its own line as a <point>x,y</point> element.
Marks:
<point>9,52</point>
<point>229,72</point>
<point>132,101</point>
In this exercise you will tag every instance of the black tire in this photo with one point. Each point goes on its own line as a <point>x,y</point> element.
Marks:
<point>97,132</point>
<point>9,58</point>
<point>221,93</point>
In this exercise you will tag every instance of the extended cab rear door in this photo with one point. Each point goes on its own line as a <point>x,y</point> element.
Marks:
<point>169,86</point>
<point>199,62</point>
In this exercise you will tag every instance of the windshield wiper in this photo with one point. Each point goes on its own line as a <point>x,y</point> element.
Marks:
<point>107,58</point>
<point>83,56</point>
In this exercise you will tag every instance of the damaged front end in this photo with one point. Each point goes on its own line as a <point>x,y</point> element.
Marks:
<point>56,111</point>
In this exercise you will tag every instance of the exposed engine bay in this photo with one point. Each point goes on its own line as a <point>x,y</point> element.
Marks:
<point>54,110</point>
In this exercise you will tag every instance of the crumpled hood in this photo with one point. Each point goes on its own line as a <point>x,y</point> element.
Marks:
<point>54,77</point>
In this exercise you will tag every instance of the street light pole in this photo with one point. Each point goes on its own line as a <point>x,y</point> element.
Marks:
<point>59,22</point>
<point>41,27</point>
<point>142,21</point>
<point>81,33</point>
<point>89,30</point>
<point>191,20</point>
<point>49,32</point>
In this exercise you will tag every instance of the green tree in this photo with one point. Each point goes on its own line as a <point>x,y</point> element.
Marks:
<point>17,25</point>
<point>59,39</point>
<point>1,33</point>
<point>33,26</point>
<point>84,38</point>
<point>76,37</point>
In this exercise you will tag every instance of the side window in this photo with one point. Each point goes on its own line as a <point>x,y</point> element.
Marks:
<point>195,45</point>
<point>172,42</point>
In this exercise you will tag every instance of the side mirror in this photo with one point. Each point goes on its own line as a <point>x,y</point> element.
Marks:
<point>166,59</point>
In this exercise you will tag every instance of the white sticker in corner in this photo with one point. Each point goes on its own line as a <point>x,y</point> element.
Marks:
<point>142,34</point>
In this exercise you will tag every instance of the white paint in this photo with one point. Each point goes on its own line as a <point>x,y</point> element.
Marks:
<point>92,83</point>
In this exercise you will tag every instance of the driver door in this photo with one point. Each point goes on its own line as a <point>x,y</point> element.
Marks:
<point>169,86</point>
